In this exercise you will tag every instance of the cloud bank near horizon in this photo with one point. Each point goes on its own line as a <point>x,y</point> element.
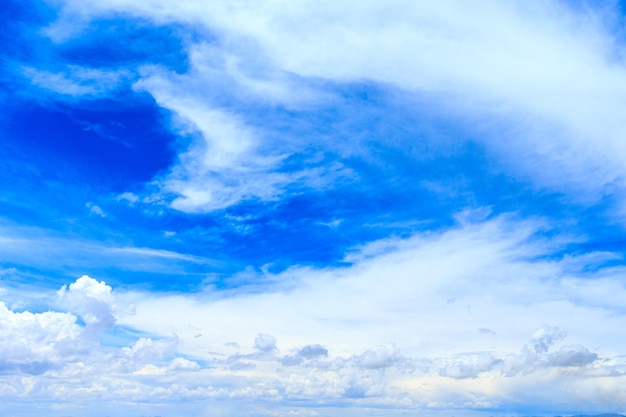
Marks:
<point>420,327</point>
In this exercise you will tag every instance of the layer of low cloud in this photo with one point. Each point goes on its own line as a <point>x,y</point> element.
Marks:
<point>411,349</point>
<point>385,322</point>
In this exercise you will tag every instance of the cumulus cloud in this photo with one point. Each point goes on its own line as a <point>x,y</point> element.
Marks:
<point>37,342</point>
<point>182,364</point>
<point>228,160</point>
<point>313,351</point>
<point>379,357</point>
<point>575,356</point>
<point>545,337</point>
<point>34,342</point>
<point>265,343</point>
<point>538,355</point>
<point>48,346</point>
<point>146,349</point>
<point>308,352</point>
<point>515,72</point>
<point>469,365</point>
<point>398,291</point>
<point>92,300</point>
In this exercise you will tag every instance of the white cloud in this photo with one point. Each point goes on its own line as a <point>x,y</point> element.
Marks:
<point>182,364</point>
<point>37,341</point>
<point>431,372</point>
<point>469,365</point>
<point>313,351</point>
<point>92,300</point>
<point>379,357</point>
<point>540,83</point>
<point>78,81</point>
<point>31,247</point>
<point>265,343</point>
<point>94,209</point>
<point>221,167</point>
<point>545,337</point>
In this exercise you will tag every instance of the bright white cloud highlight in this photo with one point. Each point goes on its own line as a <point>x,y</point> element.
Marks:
<point>92,300</point>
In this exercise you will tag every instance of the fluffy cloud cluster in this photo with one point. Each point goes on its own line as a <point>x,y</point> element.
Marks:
<point>440,356</point>
<point>36,342</point>
<point>33,342</point>
<point>92,300</point>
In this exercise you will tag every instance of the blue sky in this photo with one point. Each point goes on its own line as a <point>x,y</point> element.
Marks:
<point>310,208</point>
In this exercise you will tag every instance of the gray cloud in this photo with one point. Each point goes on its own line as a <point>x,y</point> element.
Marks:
<point>469,365</point>
<point>265,343</point>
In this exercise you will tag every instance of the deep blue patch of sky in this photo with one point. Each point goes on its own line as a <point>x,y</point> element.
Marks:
<point>105,142</point>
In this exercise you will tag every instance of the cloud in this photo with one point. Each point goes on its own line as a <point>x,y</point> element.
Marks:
<point>92,300</point>
<point>545,337</point>
<point>529,360</point>
<point>147,350</point>
<point>379,357</point>
<point>37,342</point>
<point>309,352</point>
<point>182,364</point>
<point>228,160</point>
<point>94,209</point>
<point>574,356</point>
<point>470,365</point>
<point>78,81</point>
<point>526,72</point>
<point>539,86</point>
<point>222,165</point>
<point>34,342</point>
<point>63,357</point>
<point>28,248</point>
<point>265,343</point>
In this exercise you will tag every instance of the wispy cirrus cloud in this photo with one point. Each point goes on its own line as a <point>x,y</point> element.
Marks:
<point>516,73</point>
<point>78,81</point>
<point>30,251</point>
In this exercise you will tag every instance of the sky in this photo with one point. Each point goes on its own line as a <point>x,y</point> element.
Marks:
<point>266,208</point>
